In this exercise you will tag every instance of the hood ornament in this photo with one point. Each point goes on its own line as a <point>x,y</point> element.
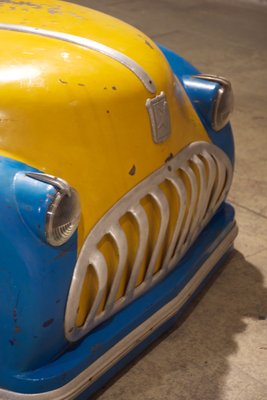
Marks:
<point>159,115</point>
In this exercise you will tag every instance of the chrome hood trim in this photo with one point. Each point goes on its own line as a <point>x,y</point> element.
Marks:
<point>128,62</point>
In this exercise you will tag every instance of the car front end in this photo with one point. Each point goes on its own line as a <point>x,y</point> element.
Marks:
<point>116,160</point>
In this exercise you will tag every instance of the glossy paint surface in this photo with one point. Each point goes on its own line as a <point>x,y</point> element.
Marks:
<point>79,115</point>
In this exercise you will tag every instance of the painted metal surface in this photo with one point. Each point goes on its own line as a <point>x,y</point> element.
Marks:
<point>34,277</point>
<point>219,234</point>
<point>55,92</point>
<point>72,112</point>
<point>88,44</point>
<point>208,190</point>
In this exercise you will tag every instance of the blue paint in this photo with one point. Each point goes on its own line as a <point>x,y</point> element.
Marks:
<point>33,275</point>
<point>201,96</point>
<point>75,359</point>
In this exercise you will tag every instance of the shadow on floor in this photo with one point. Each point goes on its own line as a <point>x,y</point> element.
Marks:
<point>190,362</point>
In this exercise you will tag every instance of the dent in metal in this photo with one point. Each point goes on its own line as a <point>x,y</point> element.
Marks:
<point>89,44</point>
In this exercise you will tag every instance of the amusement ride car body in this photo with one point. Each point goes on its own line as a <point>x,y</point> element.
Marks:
<point>116,158</point>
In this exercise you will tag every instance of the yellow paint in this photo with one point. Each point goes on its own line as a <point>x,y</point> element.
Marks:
<point>80,115</point>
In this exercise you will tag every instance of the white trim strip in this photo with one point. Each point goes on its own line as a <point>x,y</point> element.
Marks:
<point>86,378</point>
<point>128,62</point>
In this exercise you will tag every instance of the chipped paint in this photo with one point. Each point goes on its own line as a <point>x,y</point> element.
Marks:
<point>64,82</point>
<point>54,10</point>
<point>170,156</point>
<point>47,323</point>
<point>23,3</point>
<point>132,170</point>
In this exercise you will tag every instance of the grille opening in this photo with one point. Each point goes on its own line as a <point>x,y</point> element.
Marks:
<point>174,205</point>
<point>214,191</point>
<point>88,294</point>
<point>107,246</point>
<point>131,230</point>
<point>188,189</point>
<point>154,220</point>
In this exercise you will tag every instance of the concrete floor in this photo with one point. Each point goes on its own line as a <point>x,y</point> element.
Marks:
<point>219,351</point>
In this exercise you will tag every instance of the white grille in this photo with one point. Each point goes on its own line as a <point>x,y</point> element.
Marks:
<point>209,172</point>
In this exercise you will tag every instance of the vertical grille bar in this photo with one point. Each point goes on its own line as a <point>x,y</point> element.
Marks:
<point>193,182</point>
<point>98,262</point>
<point>211,179</point>
<point>163,204</point>
<point>221,175</point>
<point>181,192</point>
<point>200,201</point>
<point>139,213</point>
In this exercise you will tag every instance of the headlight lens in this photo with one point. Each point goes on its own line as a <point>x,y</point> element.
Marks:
<point>62,213</point>
<point>223,106</point>
<point>63,217</point>
<point>222,103</point>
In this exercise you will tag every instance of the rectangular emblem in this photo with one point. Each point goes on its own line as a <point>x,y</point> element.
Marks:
<point>159,117</point>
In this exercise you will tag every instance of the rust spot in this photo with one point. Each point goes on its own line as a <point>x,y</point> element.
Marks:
<point>132,170</point>
<point>64,82</point>
<point>107,111</point>
<point>48,322</point>
<point>17,329</point>
<point>105,88</point>
<point>81,84</point>
<point>114,88</point>
<point>170,156</point>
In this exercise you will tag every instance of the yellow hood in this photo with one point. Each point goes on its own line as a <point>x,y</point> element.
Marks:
<point>79,114</point>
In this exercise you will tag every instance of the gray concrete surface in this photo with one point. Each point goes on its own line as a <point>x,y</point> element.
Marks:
<point>219,351</point>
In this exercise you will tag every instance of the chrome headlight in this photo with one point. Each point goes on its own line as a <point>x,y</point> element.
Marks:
<point>62,217</point>
<point>223,103</point>
<point>63,212</point>
<point>213,98</point>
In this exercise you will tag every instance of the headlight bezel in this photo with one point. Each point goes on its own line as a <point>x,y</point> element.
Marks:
<point>58,235</point>
<point>224,94</point>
